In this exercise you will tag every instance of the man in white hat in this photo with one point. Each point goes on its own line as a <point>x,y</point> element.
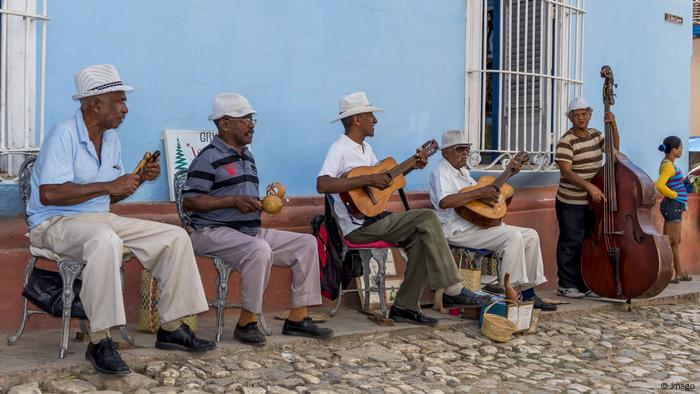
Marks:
<point>518,246</point>
<point>222,194</point>
<point>78,173</point>
<point>417,231</point>
<point>579,156</point>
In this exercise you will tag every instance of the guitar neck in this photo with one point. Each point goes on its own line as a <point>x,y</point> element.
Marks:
<point>502,178</point>
<point>403,167</point>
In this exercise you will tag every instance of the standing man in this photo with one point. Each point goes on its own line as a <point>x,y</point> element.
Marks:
<point>78,173</point>
<point>222,192</point>
<point>417,231</point>
<point>579,156</point>
<point>519,246</point>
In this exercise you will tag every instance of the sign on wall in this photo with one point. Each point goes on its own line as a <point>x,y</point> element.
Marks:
<point>181,147</point>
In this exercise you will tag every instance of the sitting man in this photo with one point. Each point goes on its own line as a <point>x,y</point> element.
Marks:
<point>519,246</point>
<point>417,231</point>
<point>222,192</point>
<point>78,173</point>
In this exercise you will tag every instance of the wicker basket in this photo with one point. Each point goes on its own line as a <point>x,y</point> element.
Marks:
<point>149,295</point>
<point>471,279</point>
<point>498,328</point>
<point>471,276</point>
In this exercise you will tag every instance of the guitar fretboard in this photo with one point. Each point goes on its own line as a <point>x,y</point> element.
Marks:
<point>403,167</point>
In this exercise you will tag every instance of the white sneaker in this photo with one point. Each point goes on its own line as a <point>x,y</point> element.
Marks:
<point>570,292</point>
<point>590,294</point>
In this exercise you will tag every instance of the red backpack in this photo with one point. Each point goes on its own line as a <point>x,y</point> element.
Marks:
<point>331,251</point>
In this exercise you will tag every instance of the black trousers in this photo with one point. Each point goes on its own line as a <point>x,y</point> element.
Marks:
<point>573,220</point>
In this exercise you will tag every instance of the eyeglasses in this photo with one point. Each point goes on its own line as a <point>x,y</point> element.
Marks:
<point>249,121</point>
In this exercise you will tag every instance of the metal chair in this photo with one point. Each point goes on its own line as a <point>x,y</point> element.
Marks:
<point>379,251</point>
<point>68,268</point>
<point>223,269</point>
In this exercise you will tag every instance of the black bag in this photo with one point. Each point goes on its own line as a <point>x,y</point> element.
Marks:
<point>333,269</point>
<point>45,290</point>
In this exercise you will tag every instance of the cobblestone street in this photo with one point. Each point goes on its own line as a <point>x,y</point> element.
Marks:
<point>648,349</point>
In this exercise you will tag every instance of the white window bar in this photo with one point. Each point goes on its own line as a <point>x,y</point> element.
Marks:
<point>19,21</point>
<point>516,99</point>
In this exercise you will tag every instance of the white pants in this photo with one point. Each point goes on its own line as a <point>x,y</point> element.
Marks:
<point>98,240</point>
<point>519,248</point>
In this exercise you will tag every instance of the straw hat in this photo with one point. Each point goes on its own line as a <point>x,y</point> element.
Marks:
<point>230,104</point>
<point>578,103</point>
<point>453,137</point>
<point>353,104</point>
<point>98,79</point>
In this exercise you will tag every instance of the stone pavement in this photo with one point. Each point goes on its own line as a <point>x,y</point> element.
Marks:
<point>588,346</point>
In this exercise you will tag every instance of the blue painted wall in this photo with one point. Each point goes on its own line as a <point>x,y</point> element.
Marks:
<point>295,58</point>
<point>651,62</point>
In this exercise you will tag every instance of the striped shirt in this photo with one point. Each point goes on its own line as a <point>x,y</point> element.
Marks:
<point>671,182</point>
<point>586,158</point>
<point>219,170</point>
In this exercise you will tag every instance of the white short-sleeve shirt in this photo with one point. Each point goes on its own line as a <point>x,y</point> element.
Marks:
<point>444,181</point>
<point>344,155</point>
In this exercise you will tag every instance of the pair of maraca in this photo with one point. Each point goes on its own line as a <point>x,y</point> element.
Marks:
<point>272,203</point>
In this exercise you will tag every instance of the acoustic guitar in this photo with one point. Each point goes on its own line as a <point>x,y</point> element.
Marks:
<point>369,201</point>
<point>486,212</point>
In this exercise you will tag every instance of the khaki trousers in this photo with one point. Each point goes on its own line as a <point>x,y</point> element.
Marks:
<point>419,233</point>
<point>253,257</point>
<point>98,240</point>
<point>520,249</point>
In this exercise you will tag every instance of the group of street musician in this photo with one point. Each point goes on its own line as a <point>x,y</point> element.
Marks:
<point>79,172</point>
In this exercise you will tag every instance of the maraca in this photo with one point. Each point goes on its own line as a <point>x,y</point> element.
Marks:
<point>275,188</point>
<point>272,203</point>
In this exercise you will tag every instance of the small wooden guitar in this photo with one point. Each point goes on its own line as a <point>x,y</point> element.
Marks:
<point>488,213</point>
<point>369,201</point>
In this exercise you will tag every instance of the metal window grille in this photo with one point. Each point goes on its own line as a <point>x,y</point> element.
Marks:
<point>523,62</point>
<point>20,78</point>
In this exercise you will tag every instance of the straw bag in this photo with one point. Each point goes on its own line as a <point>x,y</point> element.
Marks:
<point>498,328</point>
<point>471,275</point>
<point>149,295</point>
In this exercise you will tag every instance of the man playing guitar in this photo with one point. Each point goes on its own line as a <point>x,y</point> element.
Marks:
<point>520,247</point>
<point>417,231</point>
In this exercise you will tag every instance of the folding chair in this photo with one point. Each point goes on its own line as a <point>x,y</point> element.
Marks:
<point>223,268</point>
<point>68,268</point>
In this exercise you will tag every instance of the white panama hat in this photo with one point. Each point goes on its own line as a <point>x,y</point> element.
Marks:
<point>98,79</point>
<point>230,104</point>
<point>578,103</point>
<point>353,104</point>
<point>451,138</point>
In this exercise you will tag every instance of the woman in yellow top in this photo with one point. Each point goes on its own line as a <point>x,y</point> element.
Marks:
<point>674,187</point>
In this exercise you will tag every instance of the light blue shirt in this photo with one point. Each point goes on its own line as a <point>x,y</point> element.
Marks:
<point>68,155</point>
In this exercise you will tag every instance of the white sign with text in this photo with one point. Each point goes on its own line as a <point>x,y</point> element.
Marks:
<point>181,147</point>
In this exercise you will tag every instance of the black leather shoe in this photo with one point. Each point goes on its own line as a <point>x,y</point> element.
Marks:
<point>540,304</point>
<point>249,334</point>
<point>409,316</point>
<point>105,358</point>
<point>182,339</point>
<point>466,298</point>
<point>305,328</point>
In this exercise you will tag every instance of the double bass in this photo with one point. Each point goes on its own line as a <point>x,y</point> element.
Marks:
<point>625,257</point>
